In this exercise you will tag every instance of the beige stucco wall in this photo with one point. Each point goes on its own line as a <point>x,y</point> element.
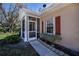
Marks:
<point>69,25</point>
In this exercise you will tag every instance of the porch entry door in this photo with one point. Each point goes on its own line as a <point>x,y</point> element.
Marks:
<point>32,27</point>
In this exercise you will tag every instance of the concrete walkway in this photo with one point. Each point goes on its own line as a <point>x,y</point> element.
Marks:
<point>41,49</point>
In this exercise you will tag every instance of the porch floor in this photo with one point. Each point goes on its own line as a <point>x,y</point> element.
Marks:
<point>41,49</point>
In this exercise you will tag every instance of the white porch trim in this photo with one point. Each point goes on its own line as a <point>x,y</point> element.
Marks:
<point>26,19</point>
<point>54,30</point>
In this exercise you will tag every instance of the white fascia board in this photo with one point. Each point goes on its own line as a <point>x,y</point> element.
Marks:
<point>28,11</point>
<point>54,7</point>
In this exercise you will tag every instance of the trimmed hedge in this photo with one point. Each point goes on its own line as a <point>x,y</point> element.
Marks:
<point>50,38</point>
<point>11,39</point>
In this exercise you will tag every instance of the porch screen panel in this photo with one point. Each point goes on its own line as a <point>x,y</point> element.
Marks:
<point>38,27</point>
<point>23,28</point>
<point>32,27</point>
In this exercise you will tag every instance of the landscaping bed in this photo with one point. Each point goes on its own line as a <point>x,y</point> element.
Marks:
<point>6,50</point>
<point>51,41</point>
<point>62,48</point>
<point>66,50</point>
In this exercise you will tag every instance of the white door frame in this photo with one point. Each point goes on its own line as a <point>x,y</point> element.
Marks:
<point>33,38</point>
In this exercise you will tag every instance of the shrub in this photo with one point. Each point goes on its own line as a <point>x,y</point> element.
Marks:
<point>50,38</point>
<point>11,39</point>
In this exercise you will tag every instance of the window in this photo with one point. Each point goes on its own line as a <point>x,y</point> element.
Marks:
<point>38,27</point>
<point>31,26</point>
<point>23,25</point>
<point>38,24</point>
<point>50,26</point>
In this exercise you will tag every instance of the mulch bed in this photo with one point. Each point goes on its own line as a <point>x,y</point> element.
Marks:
<point>18,50</point>
<point>62,48</point>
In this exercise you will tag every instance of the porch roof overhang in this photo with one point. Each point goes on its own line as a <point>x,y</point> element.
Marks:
<point>53,7</point>
<point>30,12</point>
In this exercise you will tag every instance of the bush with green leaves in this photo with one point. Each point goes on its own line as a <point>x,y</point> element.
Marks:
<point>50,38</point>
<point>11,39</point>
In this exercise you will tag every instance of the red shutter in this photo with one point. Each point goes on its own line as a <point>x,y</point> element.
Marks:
<point>42,26</point>
<point>58,25</point>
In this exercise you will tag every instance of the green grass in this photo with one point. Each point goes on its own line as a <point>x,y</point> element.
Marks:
<point>10,38</point>
<point>4,35</point>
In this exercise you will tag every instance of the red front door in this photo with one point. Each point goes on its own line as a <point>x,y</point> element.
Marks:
<point>58,25</point>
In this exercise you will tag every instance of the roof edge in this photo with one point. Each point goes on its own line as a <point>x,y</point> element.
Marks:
<point>55,6</point>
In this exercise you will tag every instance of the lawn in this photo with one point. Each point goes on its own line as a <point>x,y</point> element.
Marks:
<point>9,37</point>
<point>4,35</point>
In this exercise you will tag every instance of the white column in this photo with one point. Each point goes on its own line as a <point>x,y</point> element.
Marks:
<point>36,27</point>
<point>20,18</point>
<point>54,25</point>
<point>21,28</point>
<point>46,26</point>
<point>25,39</point>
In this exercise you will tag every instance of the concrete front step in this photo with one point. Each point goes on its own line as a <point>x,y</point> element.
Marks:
<point>41,49</point>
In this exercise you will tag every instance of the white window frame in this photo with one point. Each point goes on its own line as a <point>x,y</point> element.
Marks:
<point>53,18</point>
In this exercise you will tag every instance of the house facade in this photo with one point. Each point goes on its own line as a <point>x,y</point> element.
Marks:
<point>57,19</point>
